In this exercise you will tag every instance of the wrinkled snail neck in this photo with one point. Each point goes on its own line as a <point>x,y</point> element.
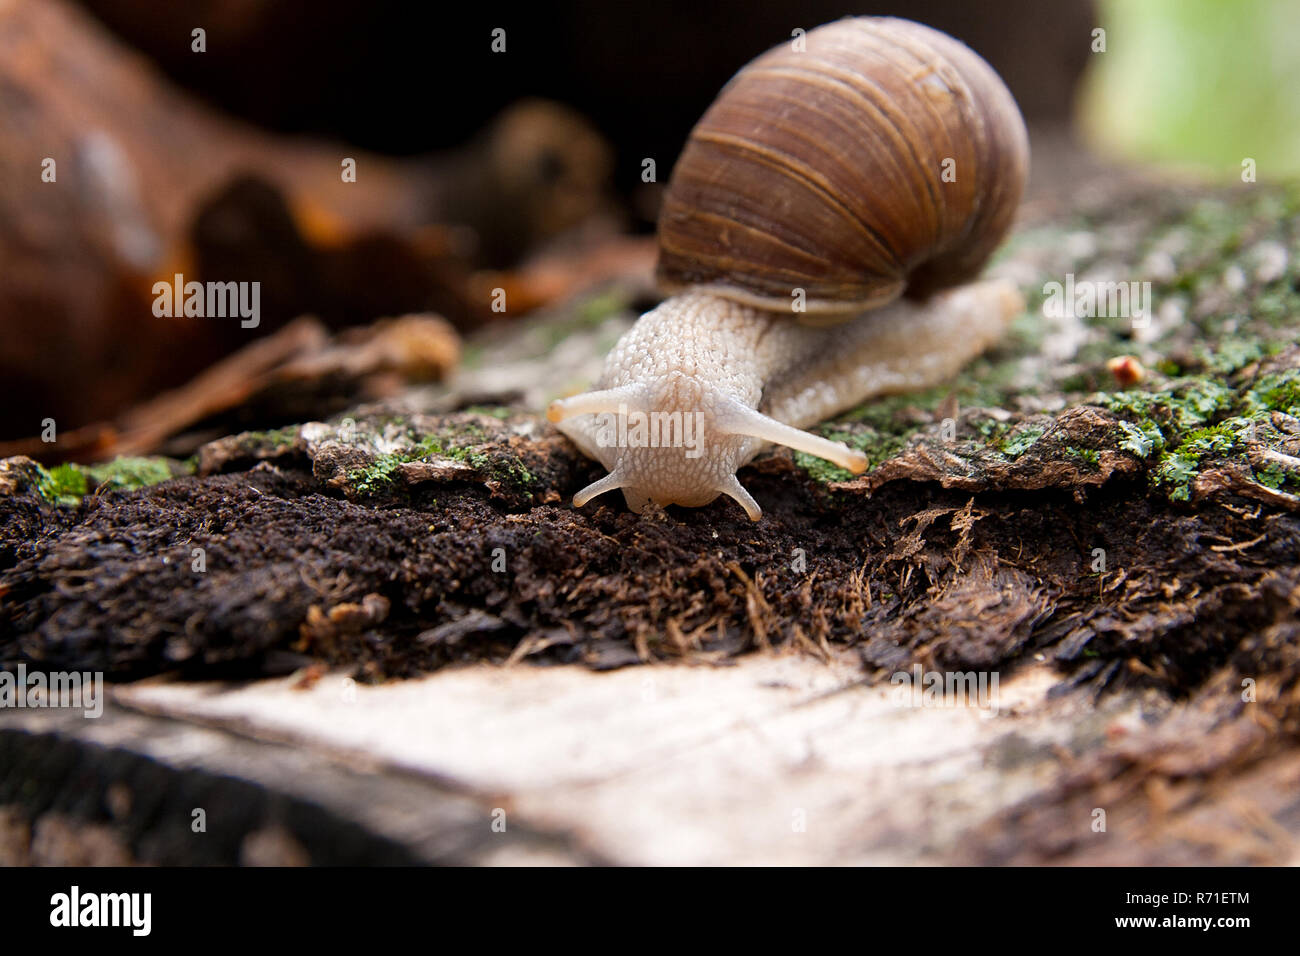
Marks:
<point>731,378</point>
<point>707,359</point>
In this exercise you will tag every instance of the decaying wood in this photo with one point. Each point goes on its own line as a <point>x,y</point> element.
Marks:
<point>264,805</point>
<point>689,686</point>
<point>111,181</point>
<point>299,369</point>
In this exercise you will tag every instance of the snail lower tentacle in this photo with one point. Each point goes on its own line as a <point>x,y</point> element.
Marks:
<point>701,384</point>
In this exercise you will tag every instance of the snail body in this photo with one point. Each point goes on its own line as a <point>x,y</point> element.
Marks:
<point>820,231</point>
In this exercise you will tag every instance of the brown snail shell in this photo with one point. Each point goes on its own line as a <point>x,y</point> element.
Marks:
<point>823,170</point>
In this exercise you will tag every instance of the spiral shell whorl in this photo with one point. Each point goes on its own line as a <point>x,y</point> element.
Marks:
<point>823,170</point>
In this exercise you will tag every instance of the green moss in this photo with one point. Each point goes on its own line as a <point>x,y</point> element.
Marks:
<point>271,439</point>
<point>1199,400</point>
<point>1232,354</point>
<point>1198,419</point>
<point>1277,305</point>
<point>1088,455</point>
<point>504,468</point>
<point>498,412</point>
<point>377,475</point>
<point>886,413</point>
<point>62,485</point>
<point>380,473</point>
<point>1175,471</point>
<point>68,484</point>
<point>1273,477</point>
<point>819,469</point>
<point>1178,468</point>
<point>282,437</point>
<point>1275,392</point>
<point>1194,410</point>
<point>128,473</point>
<point>1020,440</point>
<point>878,446</point>
<point>1140,440</point>
<point>1159,417</point>
<point>983,382</point>
<point>1221,439</point>
<point>990,429</point>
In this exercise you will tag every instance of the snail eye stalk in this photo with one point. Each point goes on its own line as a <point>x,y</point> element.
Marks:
<point>739,419</point>
<point>607,401</point>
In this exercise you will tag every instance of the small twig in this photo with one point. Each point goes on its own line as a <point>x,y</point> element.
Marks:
<point>1241,546</point>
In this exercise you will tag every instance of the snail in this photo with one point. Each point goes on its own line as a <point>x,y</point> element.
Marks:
<point>820,237</point>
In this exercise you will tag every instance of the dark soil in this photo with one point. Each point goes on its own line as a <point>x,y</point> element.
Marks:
<point>295,572</point>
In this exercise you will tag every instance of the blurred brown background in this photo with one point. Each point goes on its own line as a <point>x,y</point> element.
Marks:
<point>477,171</point>
<point>406,77</point>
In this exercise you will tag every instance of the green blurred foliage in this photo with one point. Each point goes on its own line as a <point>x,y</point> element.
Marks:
<point>1198,83</point>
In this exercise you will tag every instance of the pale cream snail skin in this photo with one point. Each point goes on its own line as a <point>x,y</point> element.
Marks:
<point>883,158</point>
